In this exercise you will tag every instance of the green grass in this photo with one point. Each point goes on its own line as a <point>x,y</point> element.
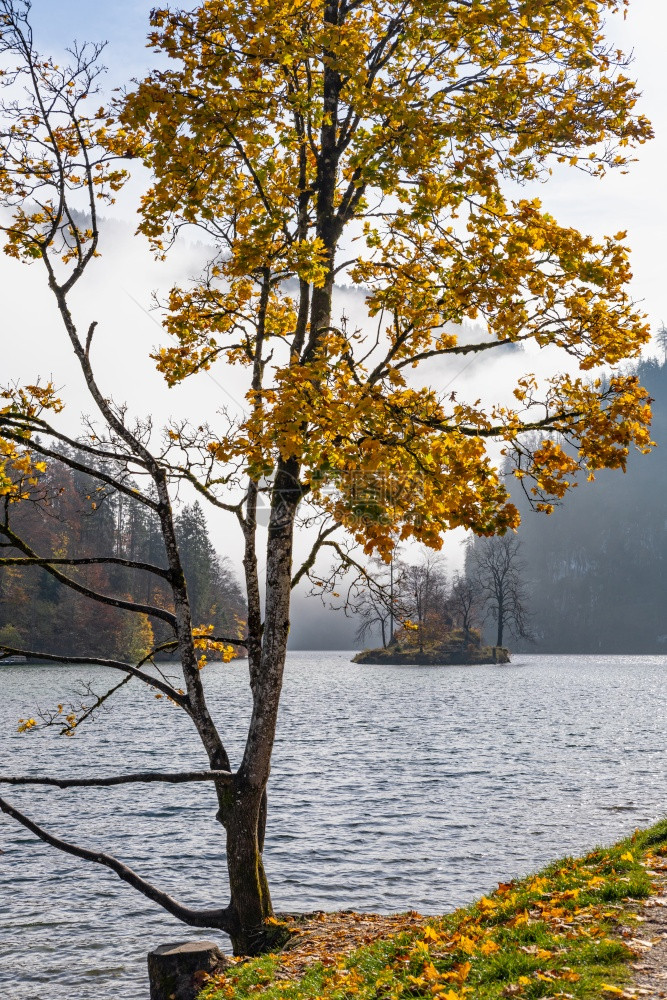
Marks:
<point>554,934</point>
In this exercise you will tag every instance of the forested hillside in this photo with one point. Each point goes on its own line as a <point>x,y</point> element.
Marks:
<point>71,517</point>
<point>596,569</point>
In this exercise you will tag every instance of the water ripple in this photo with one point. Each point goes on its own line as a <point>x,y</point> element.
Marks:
<point>392,788</point>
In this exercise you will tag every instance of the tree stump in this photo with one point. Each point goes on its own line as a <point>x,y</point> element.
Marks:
<point>177,971</point>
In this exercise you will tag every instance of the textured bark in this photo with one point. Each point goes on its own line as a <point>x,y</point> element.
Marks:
<point>244,807</point>
<point>256,764</point>
<point>250,905</point>
<point>198,709</point>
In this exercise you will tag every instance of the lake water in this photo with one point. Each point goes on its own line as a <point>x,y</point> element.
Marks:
<point>393,788</point>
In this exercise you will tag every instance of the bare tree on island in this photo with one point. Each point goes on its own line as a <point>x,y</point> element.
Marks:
<point>377,600</point>
<point>466,603</point>
<point>342,138</point>
<point>495,571</point>
<point>425,595</point>
<point>404,593</point>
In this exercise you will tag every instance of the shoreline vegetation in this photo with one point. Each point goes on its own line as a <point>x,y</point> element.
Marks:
<point>576,930</point>
<point>457,647</point>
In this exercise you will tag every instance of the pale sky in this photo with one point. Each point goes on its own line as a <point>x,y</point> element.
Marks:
<point>120,287</point>
<point>636,203</point>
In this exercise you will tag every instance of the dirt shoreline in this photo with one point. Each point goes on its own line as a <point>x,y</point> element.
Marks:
<point>650,968</point>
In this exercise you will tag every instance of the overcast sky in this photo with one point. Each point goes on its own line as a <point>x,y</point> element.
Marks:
<point>636,203</point>
<point>119,291</point>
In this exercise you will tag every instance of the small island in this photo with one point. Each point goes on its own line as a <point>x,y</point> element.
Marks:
<point>458,647</point>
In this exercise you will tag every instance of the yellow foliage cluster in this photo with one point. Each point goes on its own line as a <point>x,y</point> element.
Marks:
<point>25,725</point>
<point>59,153</point>
<point>19,469</point>
<point>205,644</point>
<point>394,131</point>
<point>379,141</point>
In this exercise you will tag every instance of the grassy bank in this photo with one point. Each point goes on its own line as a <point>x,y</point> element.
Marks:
<point>568,931</point>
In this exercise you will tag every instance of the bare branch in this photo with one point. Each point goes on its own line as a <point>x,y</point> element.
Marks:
<point>308,564</point>
<point>180,472</point>
<point>86,561</point>
<point>89,470</point>
<point>68,729</point>
<point>89,337</point>
<point>35,424</point>
<point>87,661</point>
<point>144,777</point>
<point>381,371</point>
<point>553,421</point>
<point>145,609</point>
<point>220,919</point>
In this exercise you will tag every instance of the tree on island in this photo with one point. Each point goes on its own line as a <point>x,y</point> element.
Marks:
<point>360,139</point>
<point>425,598</point>
<point>375,599</point>
<point>409,596</point>
<point>465,602</point>
<point>495,571</point>
<point>417,597</point>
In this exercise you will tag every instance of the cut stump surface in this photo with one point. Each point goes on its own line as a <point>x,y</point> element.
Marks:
<point>178,971</point>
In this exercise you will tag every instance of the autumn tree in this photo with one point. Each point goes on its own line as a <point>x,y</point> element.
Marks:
<point>367,140</point>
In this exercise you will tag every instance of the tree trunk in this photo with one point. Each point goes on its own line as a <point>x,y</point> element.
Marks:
<point>500,598</point>
<point>243,810</point>
<point>250,903</point>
